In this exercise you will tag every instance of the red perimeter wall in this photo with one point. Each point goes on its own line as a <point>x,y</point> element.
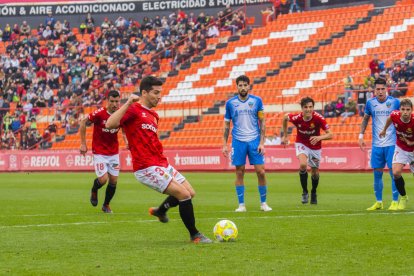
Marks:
<point>206,159</point>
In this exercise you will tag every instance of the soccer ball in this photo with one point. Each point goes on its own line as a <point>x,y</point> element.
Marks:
<point>225,230</point>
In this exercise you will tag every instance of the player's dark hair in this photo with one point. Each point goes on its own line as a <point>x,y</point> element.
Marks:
<point>380,81</point>
<point>148,82</point>
<point>243,78</point>
<point>306,100</point>
<point>406,102</point>
<point>113,94</point>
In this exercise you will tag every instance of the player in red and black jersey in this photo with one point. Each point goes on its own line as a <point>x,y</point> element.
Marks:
<point>308,144</point>
<point>105,149</point>
<point>151,167</point>
<point>403,121</point>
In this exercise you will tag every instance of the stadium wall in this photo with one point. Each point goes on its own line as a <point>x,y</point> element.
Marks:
<point>205,159</point>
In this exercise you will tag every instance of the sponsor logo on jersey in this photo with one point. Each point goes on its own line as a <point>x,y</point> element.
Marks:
<point>306,132</point>
<point>114,130</point>
<point>150,127</point>
<point>243,112</point>
<point>383,112</point>
<point>388,104</point>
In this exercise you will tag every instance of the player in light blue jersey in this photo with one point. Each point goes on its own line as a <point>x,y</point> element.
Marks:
<point>380,108</point>
<point>247,114</point>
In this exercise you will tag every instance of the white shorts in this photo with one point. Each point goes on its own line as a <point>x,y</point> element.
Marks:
<point>158,178</point>
<point>314,156</point>
<point>106,164</point>
<point>403,157</point>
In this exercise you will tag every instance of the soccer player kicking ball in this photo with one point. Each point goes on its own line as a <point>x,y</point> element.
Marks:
<point>308,144</point>
<point>379,108</point>
<point>105,149</point>
<point>151,167</point>
<point>403,120</point>
<point>247,113</point>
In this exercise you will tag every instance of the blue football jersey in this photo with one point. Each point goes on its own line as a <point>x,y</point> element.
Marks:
<point>379,113</point>
<point>244,115</point>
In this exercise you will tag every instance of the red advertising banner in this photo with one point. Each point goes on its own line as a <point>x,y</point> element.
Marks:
<point>277,159</point>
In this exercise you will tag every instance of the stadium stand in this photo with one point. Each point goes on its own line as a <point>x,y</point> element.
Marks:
<point>308,53</point>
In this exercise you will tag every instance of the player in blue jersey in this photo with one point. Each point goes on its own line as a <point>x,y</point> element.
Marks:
<point>247,114</point>
<point>380,108</point>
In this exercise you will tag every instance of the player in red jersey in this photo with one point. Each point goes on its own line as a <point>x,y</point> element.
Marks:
<point>105,149</point>
<point>151,167</point>
<point>308,144</point>
<point>403,121</point>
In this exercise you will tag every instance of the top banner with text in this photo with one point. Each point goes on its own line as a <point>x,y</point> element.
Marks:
<point>118,7</point>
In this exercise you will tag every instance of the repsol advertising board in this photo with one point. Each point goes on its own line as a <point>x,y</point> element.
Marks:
<point>322,3</point>
<point>118,7</point>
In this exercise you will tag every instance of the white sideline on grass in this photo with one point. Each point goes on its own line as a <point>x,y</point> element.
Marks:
<point>152,220</point>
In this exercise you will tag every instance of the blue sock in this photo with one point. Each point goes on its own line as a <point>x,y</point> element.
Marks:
<point>262,193</point>
<point>378,185</point>
<point>393,188</point>
<point>240,194</point>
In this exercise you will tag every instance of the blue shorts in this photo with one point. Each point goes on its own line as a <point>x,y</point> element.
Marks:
<point>239,151</point>
<point>381,156</point>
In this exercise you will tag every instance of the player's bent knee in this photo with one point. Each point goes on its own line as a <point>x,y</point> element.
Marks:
<point>303,167</point>
<point>113,180</point>
<point>240,174</point>
<point>183,195</point>
<point>261,172</point>
<point>103,179</point>
<point>240,170</point>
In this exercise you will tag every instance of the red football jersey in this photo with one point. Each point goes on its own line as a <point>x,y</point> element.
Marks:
<point>104,141</point>
<point>306,129</point>
<point>403,130</point>
<point>141,126</point>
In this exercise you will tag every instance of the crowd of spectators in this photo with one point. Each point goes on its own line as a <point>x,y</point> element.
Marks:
<point>20,132</point>
<point>397,75</point>
<point>49,65</point>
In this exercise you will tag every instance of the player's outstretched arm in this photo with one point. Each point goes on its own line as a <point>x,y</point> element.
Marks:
<point>226,138</point>
<point>82,129</point>
<point>115,119</point>
<point>364,125</point>
<point>386,126</point>
<point>284,127</point>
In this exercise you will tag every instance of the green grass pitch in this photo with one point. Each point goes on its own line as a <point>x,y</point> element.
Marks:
<point>48,227</point>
